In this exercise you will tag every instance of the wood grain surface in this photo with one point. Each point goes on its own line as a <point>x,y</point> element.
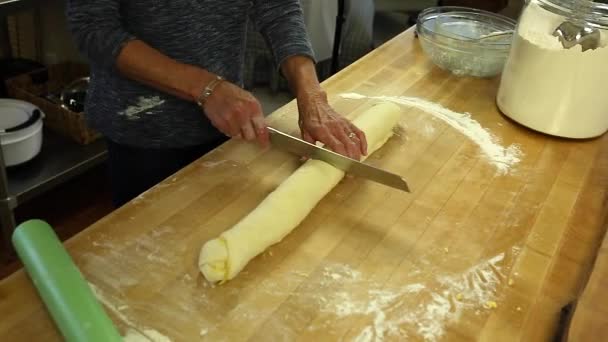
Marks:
<point>470,254</point>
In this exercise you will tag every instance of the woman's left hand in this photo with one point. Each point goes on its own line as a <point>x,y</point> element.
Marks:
<point>320,122</point>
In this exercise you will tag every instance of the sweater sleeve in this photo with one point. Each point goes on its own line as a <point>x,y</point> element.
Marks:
<point>281,22</point>
<point>97,29</point>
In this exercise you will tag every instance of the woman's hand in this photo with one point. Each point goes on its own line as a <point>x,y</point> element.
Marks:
<point>319,122</point>
<point>236,113</point>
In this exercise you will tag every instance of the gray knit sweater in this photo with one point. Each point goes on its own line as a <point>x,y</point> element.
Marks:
<point>207,33</point>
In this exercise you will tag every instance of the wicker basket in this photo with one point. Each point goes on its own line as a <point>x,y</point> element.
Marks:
<point>38,87</point>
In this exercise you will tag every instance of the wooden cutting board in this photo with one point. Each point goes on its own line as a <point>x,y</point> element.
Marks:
<point>470,254</point>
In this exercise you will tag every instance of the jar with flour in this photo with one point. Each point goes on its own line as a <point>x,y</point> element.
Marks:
<point>556,77</point>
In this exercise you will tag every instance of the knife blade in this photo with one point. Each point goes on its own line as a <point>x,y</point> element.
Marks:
<point>302,148</point>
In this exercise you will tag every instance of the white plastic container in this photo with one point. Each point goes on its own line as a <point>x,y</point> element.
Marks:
<point>551,89</point>
<point>20,131</point>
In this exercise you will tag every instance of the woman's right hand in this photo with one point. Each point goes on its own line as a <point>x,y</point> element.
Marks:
<point>236,113</point>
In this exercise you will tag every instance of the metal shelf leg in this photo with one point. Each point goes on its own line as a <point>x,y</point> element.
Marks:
<point>340,19</point>
<point>7,219</point>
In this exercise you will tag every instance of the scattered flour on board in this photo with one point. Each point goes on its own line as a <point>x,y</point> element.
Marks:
<point>441,301</point>
<point>429,130</point>
<point>146,335</point>
<point>211,164</point>
<point>140,198</point>
<point>144,104</point>
<point>502,157</point>
<point>160,231</point>
<point>135,333</point>
<point>341,272</point>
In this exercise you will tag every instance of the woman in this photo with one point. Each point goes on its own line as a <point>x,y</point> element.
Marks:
<point>166,79</point>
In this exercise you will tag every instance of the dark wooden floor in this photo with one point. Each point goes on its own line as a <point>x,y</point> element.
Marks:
<point>69,208</point>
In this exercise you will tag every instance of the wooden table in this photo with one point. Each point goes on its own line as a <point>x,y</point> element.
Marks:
<point>470,254</point>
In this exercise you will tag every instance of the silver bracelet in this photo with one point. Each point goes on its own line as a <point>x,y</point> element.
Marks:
<point>208,90</point>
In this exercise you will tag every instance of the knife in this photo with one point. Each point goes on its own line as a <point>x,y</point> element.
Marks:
<point>302,148</point>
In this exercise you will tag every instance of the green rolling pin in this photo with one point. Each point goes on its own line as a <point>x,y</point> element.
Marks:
<point>63,289</point>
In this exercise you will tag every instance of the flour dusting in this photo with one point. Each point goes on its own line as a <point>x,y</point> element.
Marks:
<point>140,198</point>
<point>135,333</point>
<point>146,335</point>
<point>144,104</point>
<point>211,164</point>
<point>441,301</point>
<point>429,130</point>
<point>110,305</point>
<point>353,96</point>
<point>341,272</point>
<point>161,231</point>
<point>502,157</point>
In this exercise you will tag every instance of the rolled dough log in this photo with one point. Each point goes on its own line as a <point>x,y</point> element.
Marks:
<point>221,259</point>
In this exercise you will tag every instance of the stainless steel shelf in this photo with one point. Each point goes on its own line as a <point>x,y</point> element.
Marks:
<point>59,160</point>
<point>9,7</point>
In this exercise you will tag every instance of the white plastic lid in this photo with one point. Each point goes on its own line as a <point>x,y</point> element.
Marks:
<point>14,112</point>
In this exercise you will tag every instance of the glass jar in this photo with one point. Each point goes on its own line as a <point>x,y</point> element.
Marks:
<point>548,87</point>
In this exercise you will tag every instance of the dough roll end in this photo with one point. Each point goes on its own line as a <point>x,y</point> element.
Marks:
<point>213,260</point>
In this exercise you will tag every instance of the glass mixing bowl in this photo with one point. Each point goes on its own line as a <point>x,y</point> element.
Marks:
<point>465,41</point>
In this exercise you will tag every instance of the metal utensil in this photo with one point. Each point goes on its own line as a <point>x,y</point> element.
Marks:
<point>302,148</point>
<point>73,95</point>
<point>570,35</point>
<point>496,35</point>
